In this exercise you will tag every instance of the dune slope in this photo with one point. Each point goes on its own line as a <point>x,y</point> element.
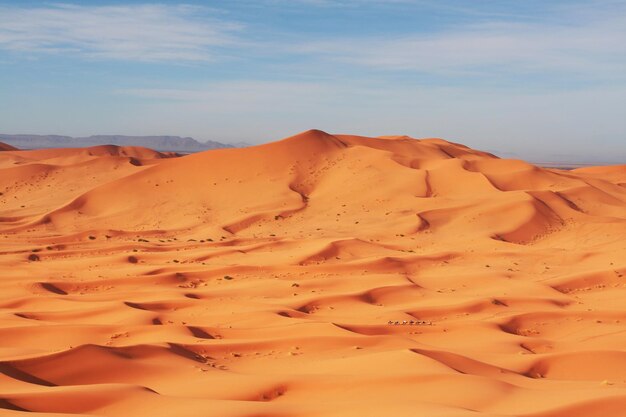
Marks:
<point>320,275</point>
<point>6,147</point>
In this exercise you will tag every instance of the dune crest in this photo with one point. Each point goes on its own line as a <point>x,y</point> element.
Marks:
<point>319,275</point>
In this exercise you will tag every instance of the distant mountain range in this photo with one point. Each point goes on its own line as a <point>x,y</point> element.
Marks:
<point>159,143</point>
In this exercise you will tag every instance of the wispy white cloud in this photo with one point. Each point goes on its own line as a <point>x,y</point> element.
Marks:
<point>149,32</point>
<point>594,48</point>
<point>587,40</point>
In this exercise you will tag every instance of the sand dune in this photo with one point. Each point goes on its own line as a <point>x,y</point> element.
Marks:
<point>7,147</point>
<point>319,275</point>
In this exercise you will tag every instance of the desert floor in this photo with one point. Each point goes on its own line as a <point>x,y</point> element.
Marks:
<point>318,275</point>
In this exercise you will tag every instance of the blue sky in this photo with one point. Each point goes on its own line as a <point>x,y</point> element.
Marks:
<point>544,80</point>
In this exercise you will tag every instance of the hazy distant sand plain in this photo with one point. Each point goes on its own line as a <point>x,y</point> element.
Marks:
<point>318,275</point>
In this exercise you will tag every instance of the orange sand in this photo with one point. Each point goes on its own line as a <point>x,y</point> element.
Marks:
<point>260,282</point>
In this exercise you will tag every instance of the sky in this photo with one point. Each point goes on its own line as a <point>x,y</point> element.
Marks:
<point>540,80</point>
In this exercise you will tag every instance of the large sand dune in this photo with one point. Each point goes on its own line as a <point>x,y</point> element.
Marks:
<point>320,275</point>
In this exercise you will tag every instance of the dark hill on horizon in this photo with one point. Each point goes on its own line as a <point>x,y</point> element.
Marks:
<point>159,143</point>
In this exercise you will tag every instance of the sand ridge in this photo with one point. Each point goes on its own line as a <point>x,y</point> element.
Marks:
<point>262,282</point>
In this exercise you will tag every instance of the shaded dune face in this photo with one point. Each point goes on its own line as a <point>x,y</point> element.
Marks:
<point>6,147</point>
<point>320,275</point>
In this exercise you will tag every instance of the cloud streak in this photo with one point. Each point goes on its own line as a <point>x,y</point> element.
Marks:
<point>589,45</point>
<point>594,49</point>
<point>149,32</point>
